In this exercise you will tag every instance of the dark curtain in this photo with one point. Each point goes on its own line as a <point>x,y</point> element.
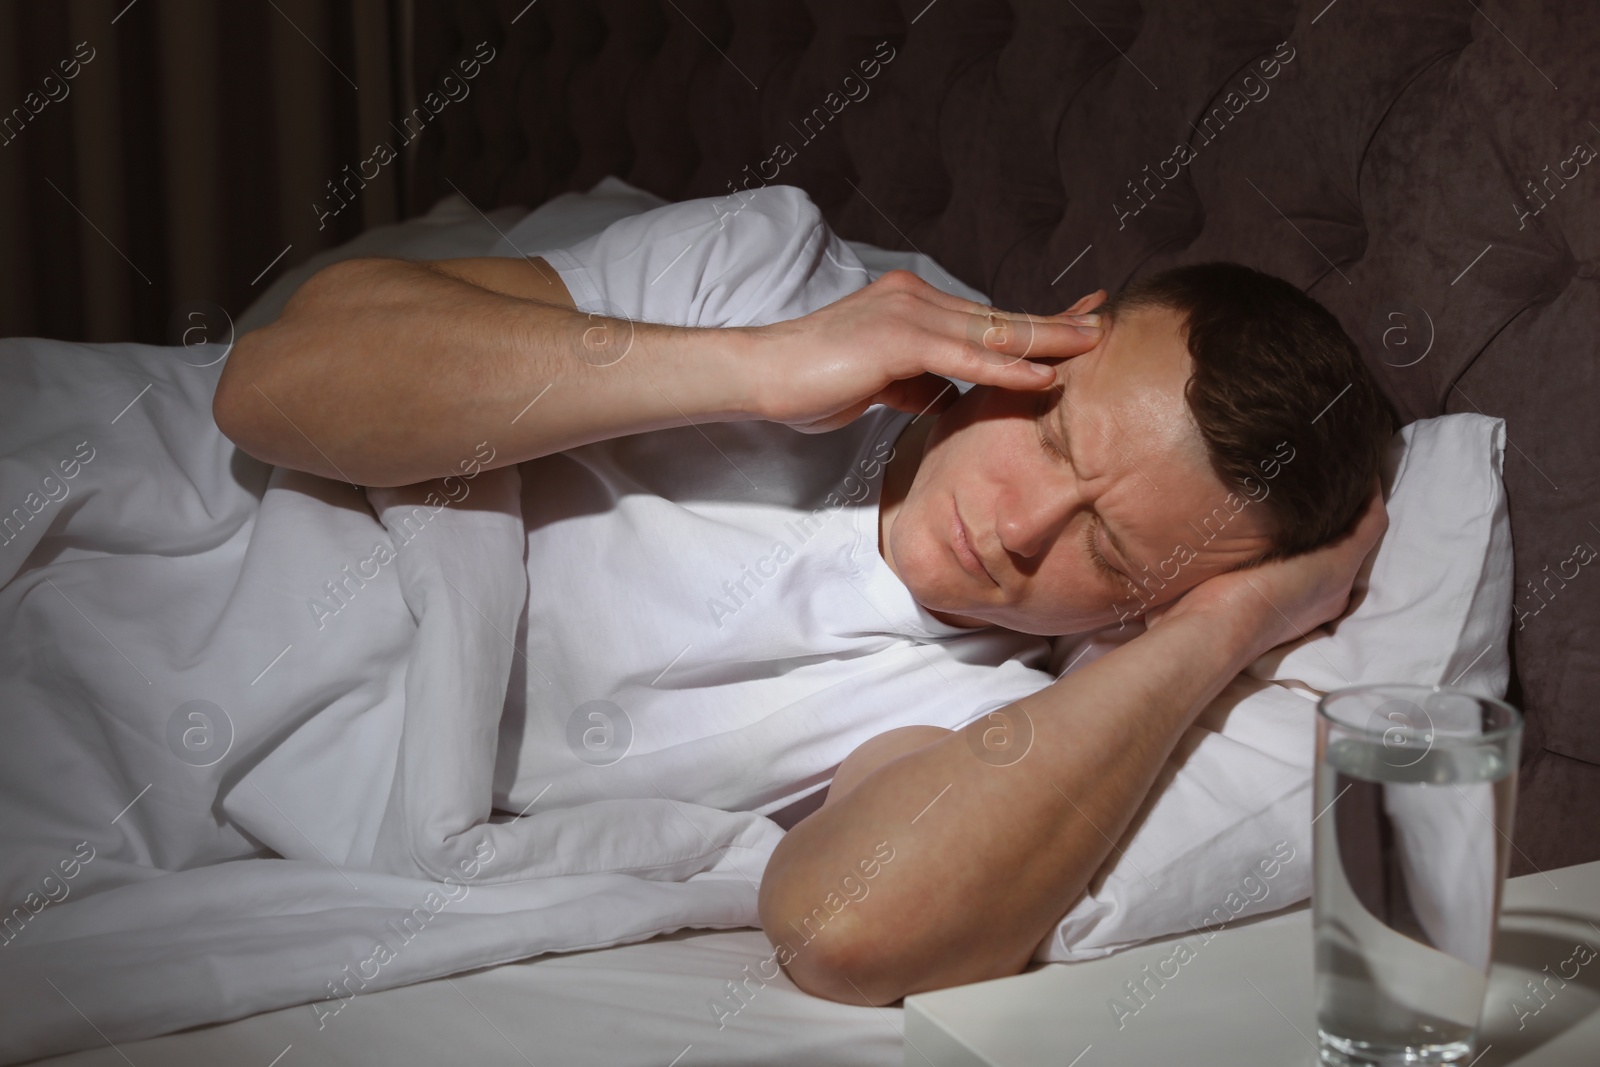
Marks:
<point>162,155</point>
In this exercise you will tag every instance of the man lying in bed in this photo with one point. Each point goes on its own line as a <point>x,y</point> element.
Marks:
<point>1201,451</point>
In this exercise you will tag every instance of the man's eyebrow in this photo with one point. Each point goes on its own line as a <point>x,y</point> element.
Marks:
<point>1124,558</point>
<point>1061,421</point>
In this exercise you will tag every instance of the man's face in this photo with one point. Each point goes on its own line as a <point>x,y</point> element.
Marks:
<point>1108,465</point>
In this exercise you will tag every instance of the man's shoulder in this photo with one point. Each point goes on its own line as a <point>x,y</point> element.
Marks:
<point>747,258</point>
<point>787,207</point>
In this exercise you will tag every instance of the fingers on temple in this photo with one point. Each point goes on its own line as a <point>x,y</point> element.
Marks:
<point>924,290</point>
<point>932,294</point>
<point>977,343</point>
<point>994,344</point>
<point>982,318</point>
<point>1038,338</point>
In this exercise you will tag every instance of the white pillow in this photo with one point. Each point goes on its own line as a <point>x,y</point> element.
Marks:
<point>1226,832</point>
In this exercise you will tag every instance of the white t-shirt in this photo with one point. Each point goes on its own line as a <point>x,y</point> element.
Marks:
<point>709,618</point>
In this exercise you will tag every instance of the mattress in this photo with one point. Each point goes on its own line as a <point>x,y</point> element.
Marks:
<point>689,999</point>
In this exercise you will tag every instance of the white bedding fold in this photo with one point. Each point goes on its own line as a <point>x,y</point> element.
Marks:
<point>201,663</point>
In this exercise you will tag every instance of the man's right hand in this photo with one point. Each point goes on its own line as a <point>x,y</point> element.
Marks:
<point>896,341</point>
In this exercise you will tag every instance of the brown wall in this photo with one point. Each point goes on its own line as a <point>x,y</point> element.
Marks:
<point>186,153</point>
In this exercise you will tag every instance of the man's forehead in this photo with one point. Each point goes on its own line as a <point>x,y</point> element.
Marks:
<point>1143,347</point>
<point>1125,398</point>
<point>1127,425</point>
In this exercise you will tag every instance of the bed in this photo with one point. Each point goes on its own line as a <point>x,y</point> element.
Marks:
<point>224,936</point>
<point>657,94</point>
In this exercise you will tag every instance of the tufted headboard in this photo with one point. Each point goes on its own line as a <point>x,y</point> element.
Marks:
<point>1424,168</point>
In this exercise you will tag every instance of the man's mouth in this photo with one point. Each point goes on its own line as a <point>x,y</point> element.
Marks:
<point>961,544</point>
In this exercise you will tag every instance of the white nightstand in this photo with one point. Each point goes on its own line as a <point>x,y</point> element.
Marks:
<point>1244,998</point>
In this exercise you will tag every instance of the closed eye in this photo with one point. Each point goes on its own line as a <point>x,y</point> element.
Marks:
<point>1045,443</point>
<point>1096,558</point>
<point>1100,562</point>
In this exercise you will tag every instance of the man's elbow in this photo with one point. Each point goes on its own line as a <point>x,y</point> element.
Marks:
<point>874,957</point>
<point>834,964</point>
<point>854,955</point>
<point>230,405</point>
<point>263,359</point>
<point>240,408</point>
<point>249,408</point>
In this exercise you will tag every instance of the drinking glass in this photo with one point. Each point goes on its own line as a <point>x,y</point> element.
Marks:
<point>1414,792</point>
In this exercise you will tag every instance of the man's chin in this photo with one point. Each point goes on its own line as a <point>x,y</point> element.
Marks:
<point>948,602</point>
<point>954,610</point>
<point>954,619</point>
<point>1007,618</point>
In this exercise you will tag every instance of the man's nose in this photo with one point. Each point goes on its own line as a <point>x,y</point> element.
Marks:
<point>1029,522</point>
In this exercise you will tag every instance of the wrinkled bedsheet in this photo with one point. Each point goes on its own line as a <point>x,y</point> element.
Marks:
<point>177,716</point>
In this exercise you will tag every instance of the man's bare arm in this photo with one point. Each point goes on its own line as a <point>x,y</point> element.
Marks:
<point>388,372</point>
<point>990,865</point>
<point>987,858</point>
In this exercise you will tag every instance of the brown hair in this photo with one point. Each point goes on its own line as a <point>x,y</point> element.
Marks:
<point>1273,366</point>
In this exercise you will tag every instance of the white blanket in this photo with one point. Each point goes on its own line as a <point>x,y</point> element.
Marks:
<point>174,713</point>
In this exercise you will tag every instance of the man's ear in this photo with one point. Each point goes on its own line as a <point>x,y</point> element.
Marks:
<point>1093,300</point>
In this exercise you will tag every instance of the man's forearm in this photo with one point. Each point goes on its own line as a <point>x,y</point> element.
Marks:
<point>988,857</point>
<point>388,372</point>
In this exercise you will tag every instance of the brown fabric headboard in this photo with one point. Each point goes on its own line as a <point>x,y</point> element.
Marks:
<point>1425,168</point>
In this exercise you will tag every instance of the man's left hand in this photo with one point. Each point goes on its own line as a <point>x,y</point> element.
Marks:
<point>1283,600</point>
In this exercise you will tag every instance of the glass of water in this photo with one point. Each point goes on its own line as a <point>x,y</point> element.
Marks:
<point>1414,793</point>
